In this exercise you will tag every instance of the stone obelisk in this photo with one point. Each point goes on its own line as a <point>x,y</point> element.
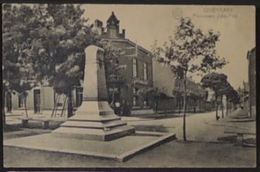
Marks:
<point>94,119</point>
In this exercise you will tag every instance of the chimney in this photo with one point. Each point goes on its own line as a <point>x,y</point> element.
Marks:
<point>98,23</point>
<point>98,27</point>
<point>123,33</point>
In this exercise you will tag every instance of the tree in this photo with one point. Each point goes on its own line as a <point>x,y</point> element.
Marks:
<point>49,40</point>
<point>58,47</point>
<point>113,68</point>
<point>191,51</point>
<point>18,70</point>
<point>217,82</point>
<point>9,67</point>
<point>224,89</point>
<point>232,96</point>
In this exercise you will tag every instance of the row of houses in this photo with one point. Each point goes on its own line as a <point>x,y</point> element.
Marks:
<point>251,57</point>
<point>142,72</point>
<point>247,92</point>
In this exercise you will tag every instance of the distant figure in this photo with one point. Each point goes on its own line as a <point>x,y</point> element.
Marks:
<point>194,109</point>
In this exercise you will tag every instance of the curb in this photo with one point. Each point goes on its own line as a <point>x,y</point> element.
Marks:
<point>125,156</point>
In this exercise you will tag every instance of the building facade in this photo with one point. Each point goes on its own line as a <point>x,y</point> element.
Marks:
<point>41,99</point>
<point>251,57</point>
<point>171,91</point>
<point>138,72</point>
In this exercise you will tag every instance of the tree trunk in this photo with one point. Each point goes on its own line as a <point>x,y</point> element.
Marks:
<point>216,99</point>
<point>25,107</point>
<point>3,107</point>
<point>222,107</point>
<point>180,104</point>
<point>184,109</point>
<point>70,107</point>
<point>227,107</point>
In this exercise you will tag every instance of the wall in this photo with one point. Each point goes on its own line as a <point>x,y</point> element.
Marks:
<point>251,56</point>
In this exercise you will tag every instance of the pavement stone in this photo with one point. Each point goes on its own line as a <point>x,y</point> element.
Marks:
<point>115,149</point>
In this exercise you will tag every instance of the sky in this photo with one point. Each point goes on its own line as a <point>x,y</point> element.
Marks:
<point>146,23</point>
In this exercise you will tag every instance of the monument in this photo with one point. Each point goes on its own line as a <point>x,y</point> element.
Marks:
<point>89,131</point>
<point>94,119</point>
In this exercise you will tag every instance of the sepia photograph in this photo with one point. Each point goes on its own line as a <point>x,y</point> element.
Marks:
<point>128,86</point>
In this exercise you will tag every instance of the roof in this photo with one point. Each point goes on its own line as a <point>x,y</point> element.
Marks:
<point>112,18</point>
<point>129,42</point>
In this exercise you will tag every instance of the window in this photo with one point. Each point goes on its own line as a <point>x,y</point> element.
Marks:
<point>145,71</point>
<point>134,101</point>
<point>113,33</point>
<point>134,67</point>
<point>134,91</point>
<point>134,96</point>
<point>145,102</point>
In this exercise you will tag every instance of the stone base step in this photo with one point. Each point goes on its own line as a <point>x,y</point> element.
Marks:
<point>94,118</point>
<point>94,134</point>
<point>97,125</point>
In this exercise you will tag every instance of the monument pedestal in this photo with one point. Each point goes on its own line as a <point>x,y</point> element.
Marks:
<point>94,119</point>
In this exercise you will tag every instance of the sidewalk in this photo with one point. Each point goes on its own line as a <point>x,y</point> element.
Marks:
<point>15,116</point>
<point>238,121</point>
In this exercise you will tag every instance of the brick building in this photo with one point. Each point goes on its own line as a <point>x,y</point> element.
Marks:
<point>138,74</point>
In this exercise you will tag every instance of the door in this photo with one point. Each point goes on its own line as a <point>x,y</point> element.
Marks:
<point>36,100</point>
